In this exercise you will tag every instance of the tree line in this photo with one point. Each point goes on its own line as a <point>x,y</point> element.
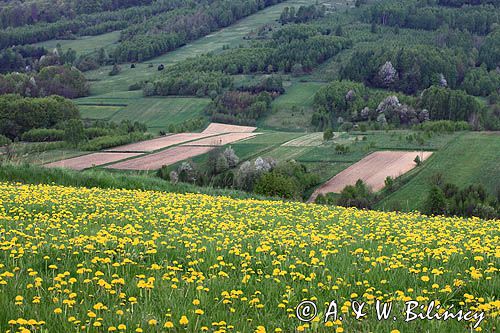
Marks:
<point>416,15</point>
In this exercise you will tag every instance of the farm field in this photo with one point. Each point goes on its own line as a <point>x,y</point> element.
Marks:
<point>222,140</point>
<point>157,261</point>
<point>156,112</point>
<point>471,158</point>
<point>90,160</point>
<point>160,143</point>
<point>373,170</point>
<point>163,158</point>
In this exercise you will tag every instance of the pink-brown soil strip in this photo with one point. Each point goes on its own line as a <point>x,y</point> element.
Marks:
<point>217,128</point>
<point>157,160</point>
<point>90,160</point>
<point>221,140</point>
<point>160,143</point>
<point>373,170</point>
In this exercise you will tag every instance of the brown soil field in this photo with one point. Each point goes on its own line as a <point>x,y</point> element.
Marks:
<point>160,143</point>
<point>90,160</point>
<point>373,170</point>
<point>157,160</point>
<point>224,128</point>
<point>221,140</point>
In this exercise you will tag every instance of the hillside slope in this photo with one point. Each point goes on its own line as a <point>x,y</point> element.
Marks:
<point>108,260</point>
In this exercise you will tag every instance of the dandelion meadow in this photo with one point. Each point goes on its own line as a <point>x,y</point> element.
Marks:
<point>94,260</point>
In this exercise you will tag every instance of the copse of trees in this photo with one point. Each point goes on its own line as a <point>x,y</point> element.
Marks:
<point>64,81</point>
<point>302,15</point>
<point>489,53</point>
<point>240,108</point>
<point>189,83</point>
<point>20,114</point>
<point>414,15</point>
<point>447,104</point>
<point>408,69</point>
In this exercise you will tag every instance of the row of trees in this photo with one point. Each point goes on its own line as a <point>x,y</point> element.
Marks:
<point>20,13</point>
<point>85,24</point>
<point>241,108</point>
<point>415,15</point>
<point>64,81</point>
<point>168,31</point>
<point>303,14</point>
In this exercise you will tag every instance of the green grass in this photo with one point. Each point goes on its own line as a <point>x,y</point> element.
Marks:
<point>85,44</point>
<point>98,178</point>
<point>298,96</point>
<point>470,159</point>
<point>156,112</point>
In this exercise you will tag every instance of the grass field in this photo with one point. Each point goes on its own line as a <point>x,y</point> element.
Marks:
<point>144,261</point>
<point>156,112</point>
<point>471,158</point>
<point>84,45</point>
<point>293,110</point>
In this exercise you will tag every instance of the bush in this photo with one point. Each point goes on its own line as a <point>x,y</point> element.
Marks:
<point>328,134</point>
<point>95,132</point>
<point>4,140</point>
<point>74,132</point>
<point>359,196</point>
<point>43,135</point>
<point>275,184</point>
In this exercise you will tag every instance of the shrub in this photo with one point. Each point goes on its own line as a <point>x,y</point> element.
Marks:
<point>275,184</point>
<point>74,132</point>
<point>4,140</point>
<point>359,196</point>
<point>43,135</point>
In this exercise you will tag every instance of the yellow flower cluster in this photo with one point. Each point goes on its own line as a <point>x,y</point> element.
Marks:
<point>94,260</point>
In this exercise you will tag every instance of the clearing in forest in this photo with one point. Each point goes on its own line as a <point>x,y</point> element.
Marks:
<point>373,170</point>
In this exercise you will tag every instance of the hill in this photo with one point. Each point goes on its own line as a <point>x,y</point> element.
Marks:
<point>146,261</point>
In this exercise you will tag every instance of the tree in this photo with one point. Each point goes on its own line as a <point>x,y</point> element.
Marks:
<point>328,134</point>
<point>74,132</point>
<point>435,202</point>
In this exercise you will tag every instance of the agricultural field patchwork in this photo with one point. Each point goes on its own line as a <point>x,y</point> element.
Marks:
<point>125,260</point>
<point>90,160</point>
<point>373,170</point>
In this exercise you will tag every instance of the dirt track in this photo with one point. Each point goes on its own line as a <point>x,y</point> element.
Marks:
<point>90,160</point>
<point>373,170</point>
<point>160,143</point>
<point>224,128</point>
<point>157,160</point>
<point>221,140</point>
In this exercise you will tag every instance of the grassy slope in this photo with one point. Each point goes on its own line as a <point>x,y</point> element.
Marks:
<point>32,174</point>
<point>299,95</point>
<point>156,112</point>
<point>84,45</point>
<point>471,158</point>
